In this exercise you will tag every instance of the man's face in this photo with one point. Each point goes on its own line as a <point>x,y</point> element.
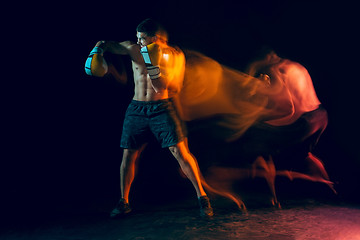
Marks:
<point>143,39</point>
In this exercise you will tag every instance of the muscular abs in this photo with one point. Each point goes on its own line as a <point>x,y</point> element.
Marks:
<point>144,90</point>
<point>144,86</point>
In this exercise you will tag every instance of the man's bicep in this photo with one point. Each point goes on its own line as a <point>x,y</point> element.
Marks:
<point>121,48</point>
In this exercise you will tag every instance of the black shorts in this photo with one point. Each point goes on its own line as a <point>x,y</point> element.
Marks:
<point>144,119</point>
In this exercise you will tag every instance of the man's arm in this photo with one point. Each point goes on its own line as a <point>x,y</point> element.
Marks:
<point>165,66</point>
<point>122,48</point>
<point>96,64</point>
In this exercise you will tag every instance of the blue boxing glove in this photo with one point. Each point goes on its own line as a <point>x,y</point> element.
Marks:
<point>95,64</point>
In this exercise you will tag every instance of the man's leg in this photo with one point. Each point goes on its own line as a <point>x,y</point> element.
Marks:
<point>189,166</point>
<point>127,175</point>
<point>127,171</point>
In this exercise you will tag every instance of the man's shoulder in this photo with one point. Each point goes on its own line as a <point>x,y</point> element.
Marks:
<point>174,48</point>
<point>172,52</point>
<point>131,46</point>
<point>133,50</point>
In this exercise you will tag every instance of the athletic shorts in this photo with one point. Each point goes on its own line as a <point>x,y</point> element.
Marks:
<point>146,119</point>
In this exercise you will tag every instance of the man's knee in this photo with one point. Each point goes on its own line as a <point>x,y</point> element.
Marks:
<point>129,156</point>
<point>177,152</point>
<point>174,149</point>
<point>129,152</point>
<point>181,153</point>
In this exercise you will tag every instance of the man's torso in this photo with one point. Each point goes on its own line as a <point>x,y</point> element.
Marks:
<point>144,90</point>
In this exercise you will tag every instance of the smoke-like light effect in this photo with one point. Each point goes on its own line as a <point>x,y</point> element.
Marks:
<point>211,89</point>
<point>224,177</point>
<point>172,67</point>
<point>291,92</point>
<point>274,107</point>
<point>277,97</point>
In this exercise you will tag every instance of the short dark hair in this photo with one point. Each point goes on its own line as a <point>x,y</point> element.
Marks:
<point>152,28</point>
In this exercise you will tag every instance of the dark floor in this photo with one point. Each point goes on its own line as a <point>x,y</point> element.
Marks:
<point>57,206</point>
<point>72,200</point>
<point>301,217</point>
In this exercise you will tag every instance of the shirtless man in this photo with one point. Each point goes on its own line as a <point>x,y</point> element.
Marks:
<point>150,111</point>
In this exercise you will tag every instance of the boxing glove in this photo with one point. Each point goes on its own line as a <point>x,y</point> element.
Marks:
<point>95,64</point>
<point>152,57</point>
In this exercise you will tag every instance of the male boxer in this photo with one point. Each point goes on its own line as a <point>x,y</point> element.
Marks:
<point>151,111</point>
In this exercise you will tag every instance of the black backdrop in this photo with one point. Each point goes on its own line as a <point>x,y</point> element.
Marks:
<point>62,128</point>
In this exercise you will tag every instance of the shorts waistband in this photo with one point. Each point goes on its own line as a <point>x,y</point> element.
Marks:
<point>151,102</point>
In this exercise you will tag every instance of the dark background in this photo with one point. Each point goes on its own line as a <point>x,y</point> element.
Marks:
<point>62,128</point>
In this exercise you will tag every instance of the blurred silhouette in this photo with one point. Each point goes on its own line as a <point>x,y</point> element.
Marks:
<point>287,131</point>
